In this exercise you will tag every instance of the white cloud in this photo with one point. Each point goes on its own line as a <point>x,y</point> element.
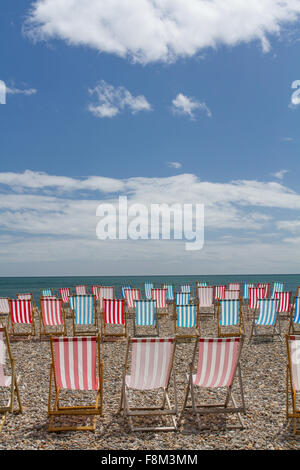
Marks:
<point>18,91</point>
<point>175,165</point>
<point>287,139</point>
<point>111,100</point>
<point>185,105</point>
<point>148,30</point>
<point>280,174</point>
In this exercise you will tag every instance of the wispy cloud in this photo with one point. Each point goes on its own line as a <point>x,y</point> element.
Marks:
<point>18,91</point>
<point>111,100</point>
<point>279,174</point>
<point>188,106</point>
<point>287,139</point>
<point>175,165</point>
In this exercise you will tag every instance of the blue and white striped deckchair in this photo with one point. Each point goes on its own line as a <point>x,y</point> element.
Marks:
<point>229,314</point>
<point>295,315</point>
<point>83,312</point>
<point>246,290</point>
<point>186,289</point>
<point>123,290</point>
<point>145,315</point>
<point>186,316</point>
<point>267,315</point>
<point>47,292</point>
<point>277,287</point>
<point>201,284</point>
<point>148,287</point>
<point>183,298</point>
<point>170,292</point>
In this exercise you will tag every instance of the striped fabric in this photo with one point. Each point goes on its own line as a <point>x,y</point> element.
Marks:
<point>232,294</point>
<point>114,311</point>
<point>80,290</point>
<point>76,363</point>
<point>151,363</point>
<point>254,294</point>
<point>4,305</point>
<point>95,291</point>
<point>183,299</point>
<point>47,292</point>
<point>170,291</point>
<point>21,311</point>
<point>145,312</point>
<point>267,312</point>
<point>206,296</point>
<point>52,311</point>
<point>5,381</point>
<point>83,306</point>
<point>148,286</point>
<point>234,286</point>
<point>294,345</point>
<point>185,289</point>
<point>105,292</point>
<point>27,296</point>
<point>219,292</point>
<point>284,301</point>
<point>217,362</point>
<point>131,295</point>
<point>246,290</point>
<point>201,284</point>
<point>65,293</point>
<point>266,286</point>
<point>123,290</point>
<point>186,316</point>
<point>229,312</point>
<point>296,317</point>
<point>160,295</point>
<point>277,287</point>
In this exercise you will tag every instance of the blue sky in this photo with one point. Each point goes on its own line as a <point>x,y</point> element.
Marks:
<point>90,94</point>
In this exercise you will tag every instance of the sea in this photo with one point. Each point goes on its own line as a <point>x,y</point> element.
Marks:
<point>10,286</point>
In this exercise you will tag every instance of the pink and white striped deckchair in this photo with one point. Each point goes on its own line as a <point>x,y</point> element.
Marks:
<point>21,313</point>
<point>231,294</point>
<point>160,296</point>
<point>266,286</point>
<point>8,381</point>
<point>284,301</point>
<point>75,366</point>
<point>65,294</point>
<point>206,300</point>
<point>53,319</point>
<point>218,362</point>
<point>151,366</point>
<point>219,292</point>
<point>26,296</point>
<point>81,290</point>
<point>114,314</point>
<point>293,379</point>
<point>234,286</point>
<point>4,309</point>
<point>130,296</point>
<point>96,291</point>
<point>105,292</point>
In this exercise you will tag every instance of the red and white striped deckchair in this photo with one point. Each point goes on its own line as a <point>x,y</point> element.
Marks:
<point>53,318</point>
<point>255,293</point>
<point>8,382</point>
<point>81,290</point>
<point>160,296</point>
<point>219,292</point>
<point>65,294</point>
<point>231,294</point>
<point>21,313</point>
<point>151,366</point>
<point>76,366</point>
<point>114,314</point>
<point>130,296</point>
<point>293,379</point>
<point>96,291</point>
<point>105,292</point>
<point>218,363</point>
<point>284,302</point>
<point>266,286</point>
<point>28,296</point>
<point>206,300</point>
<point>4,309</point>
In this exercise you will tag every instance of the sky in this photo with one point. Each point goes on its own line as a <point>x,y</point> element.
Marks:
<point>164,102</point>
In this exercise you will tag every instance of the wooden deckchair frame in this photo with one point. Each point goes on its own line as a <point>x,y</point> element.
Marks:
<point>218,408</point>
<point>43,328</point>
<point>276,331</point>
<point>104,325</point>
<point>292,324</point>
<point>240,325</point>
<point>55,409</point>
<point>295,414</point>
<point>11,325</point>
<point>76,328</point>
<point>155,326</point>
<point>179,329</point>
<point>14,389</point>
<point>131,412</point>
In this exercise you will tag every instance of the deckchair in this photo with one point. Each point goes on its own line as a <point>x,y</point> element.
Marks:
<point>81,290</point>
<point>4,309</point>
<point>219,292</point>
<point>28,296</point>
<point>266,315</point>
<point>75,366</point>
<point>146,316</point>
<point>277,287</point>
<point>84,315</point>
<point>47,292</point>
<point>202,284</point>
<point>266,287</point>
<point>206,300</point>
<point>130,296</point>
<point>231,294</point>
<point>170,292</point>
<point>105,292</point>
<point>284,303</point>
<point>218,363</point>
<point>148,286</point>
<point>96,291</point>
<point>65,294</point>
<point>234,286</point>
<point>229,314</point>
<point>185,289</point>
<point>21,313</point>
<point>123,290</point>
<point>295,316</point>
<point>183,298</point>
<point>186,321</point>
<point>160,295</point>
<point>151,367</point>
<point>293,379</point>
<point>53,318</point>
<point>8,382</point>
<point>114,313</point>
<point>255,293</point>
<point>246,294</point>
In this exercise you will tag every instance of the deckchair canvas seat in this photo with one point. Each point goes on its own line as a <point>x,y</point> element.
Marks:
<point>293,380</point>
